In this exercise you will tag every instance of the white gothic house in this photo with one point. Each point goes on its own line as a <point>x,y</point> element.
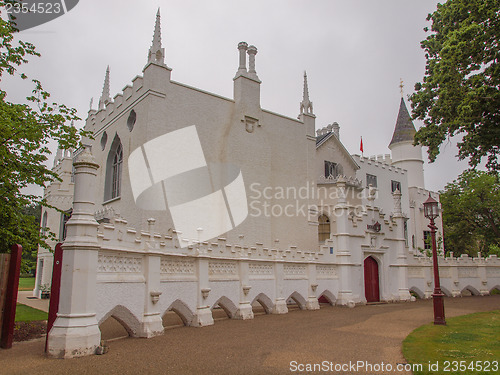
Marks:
<point>185,200</point>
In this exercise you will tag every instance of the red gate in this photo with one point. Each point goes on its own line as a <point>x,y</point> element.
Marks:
<point>54,290</point>
<point>9,314</point>
<point>371,280</point>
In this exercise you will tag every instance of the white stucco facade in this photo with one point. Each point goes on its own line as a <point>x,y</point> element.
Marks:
<point>60,195</point>
<point>311,228</point>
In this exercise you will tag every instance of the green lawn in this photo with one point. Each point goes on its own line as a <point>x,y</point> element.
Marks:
<point>27,314</point>
<point>26,283</point>
<point>468,344</point>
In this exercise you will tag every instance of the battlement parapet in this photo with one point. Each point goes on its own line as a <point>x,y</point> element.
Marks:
<point>382,161</point>
<point>462,260</point>
<point>113,108</point>
<point>114,234</point>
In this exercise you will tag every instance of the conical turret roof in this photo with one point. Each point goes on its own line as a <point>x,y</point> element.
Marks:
<point>404,130</point>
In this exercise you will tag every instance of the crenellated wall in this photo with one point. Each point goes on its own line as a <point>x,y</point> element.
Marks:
<point>478,276</point>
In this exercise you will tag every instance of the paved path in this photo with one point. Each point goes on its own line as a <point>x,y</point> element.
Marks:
<point>264,345</point>
<point>26,298</point>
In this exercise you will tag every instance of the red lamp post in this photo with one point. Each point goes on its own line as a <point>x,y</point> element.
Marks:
<point>431,211</point>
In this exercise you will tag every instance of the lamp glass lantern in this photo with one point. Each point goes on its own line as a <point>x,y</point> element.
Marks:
<point>431,208</point>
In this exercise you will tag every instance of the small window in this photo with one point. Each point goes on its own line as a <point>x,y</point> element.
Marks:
<point>371,180</point>
<point>131,120</point>
<point>330,169</point>
<point>395,185</point>
<point>323,228</point>
<point>427,240</point>
<point>104,140</point>
<point>44,223</point>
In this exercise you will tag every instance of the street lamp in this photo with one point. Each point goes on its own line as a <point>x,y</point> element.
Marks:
<point>431,211</point>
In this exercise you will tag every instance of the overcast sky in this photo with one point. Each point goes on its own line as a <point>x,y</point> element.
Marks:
<point>355,53</point>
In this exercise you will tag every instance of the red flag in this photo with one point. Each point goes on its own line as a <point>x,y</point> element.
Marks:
<point>361,145</point>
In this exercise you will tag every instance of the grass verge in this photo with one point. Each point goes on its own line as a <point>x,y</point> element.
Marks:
<point>28,314</point>
<point>26,283</point>
<point>468,344</point>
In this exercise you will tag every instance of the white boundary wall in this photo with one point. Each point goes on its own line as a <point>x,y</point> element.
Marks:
<point>136,276</point>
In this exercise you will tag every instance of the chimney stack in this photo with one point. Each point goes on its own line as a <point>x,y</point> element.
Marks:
<point>336,129</point>
<point>252,51</point>
<point>242,69</point>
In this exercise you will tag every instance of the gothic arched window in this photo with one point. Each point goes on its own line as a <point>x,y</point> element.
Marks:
<point>112,188</point>
<point>44,223</point>
<point>323,228</point>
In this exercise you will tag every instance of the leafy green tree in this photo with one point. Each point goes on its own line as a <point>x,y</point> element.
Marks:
<point>25,132</point>
<point>460,92</point>
<point>29,254</point>
<point>471,213</point>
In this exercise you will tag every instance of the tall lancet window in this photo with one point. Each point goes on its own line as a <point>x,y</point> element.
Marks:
<point>117,172</point>
<point>114,164</point>
<point>323,228</point>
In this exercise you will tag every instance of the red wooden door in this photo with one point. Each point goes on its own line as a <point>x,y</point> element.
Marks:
<point>371,280</point>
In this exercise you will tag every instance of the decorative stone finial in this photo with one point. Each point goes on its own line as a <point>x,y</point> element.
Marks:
<point>105,96</point>
<point>306,106</point>
<point>58,157</point>
<point>156,52</point>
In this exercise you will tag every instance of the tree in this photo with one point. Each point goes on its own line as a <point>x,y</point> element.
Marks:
<point>460,92</point>
<point>471,213</point>
<point>26,130</point>
<point>29,254</point>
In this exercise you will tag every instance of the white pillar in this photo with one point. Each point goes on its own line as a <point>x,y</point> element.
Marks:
<point>344,259</point>
<point>203,315</point>
<point>481,269</point>
<point>279,302</point>
<point>245,308</point>
<point>151,324</point>
<point>428,282</point>
<point>403,291</point>
<point>76,332</point>
<point>312,300</point>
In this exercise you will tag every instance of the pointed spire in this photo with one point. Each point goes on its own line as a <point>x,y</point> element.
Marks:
<point>404,130</point>
<point>58,157</point>
<point>156,52</point>
<point>105,97</point>
<point>306,105</point>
